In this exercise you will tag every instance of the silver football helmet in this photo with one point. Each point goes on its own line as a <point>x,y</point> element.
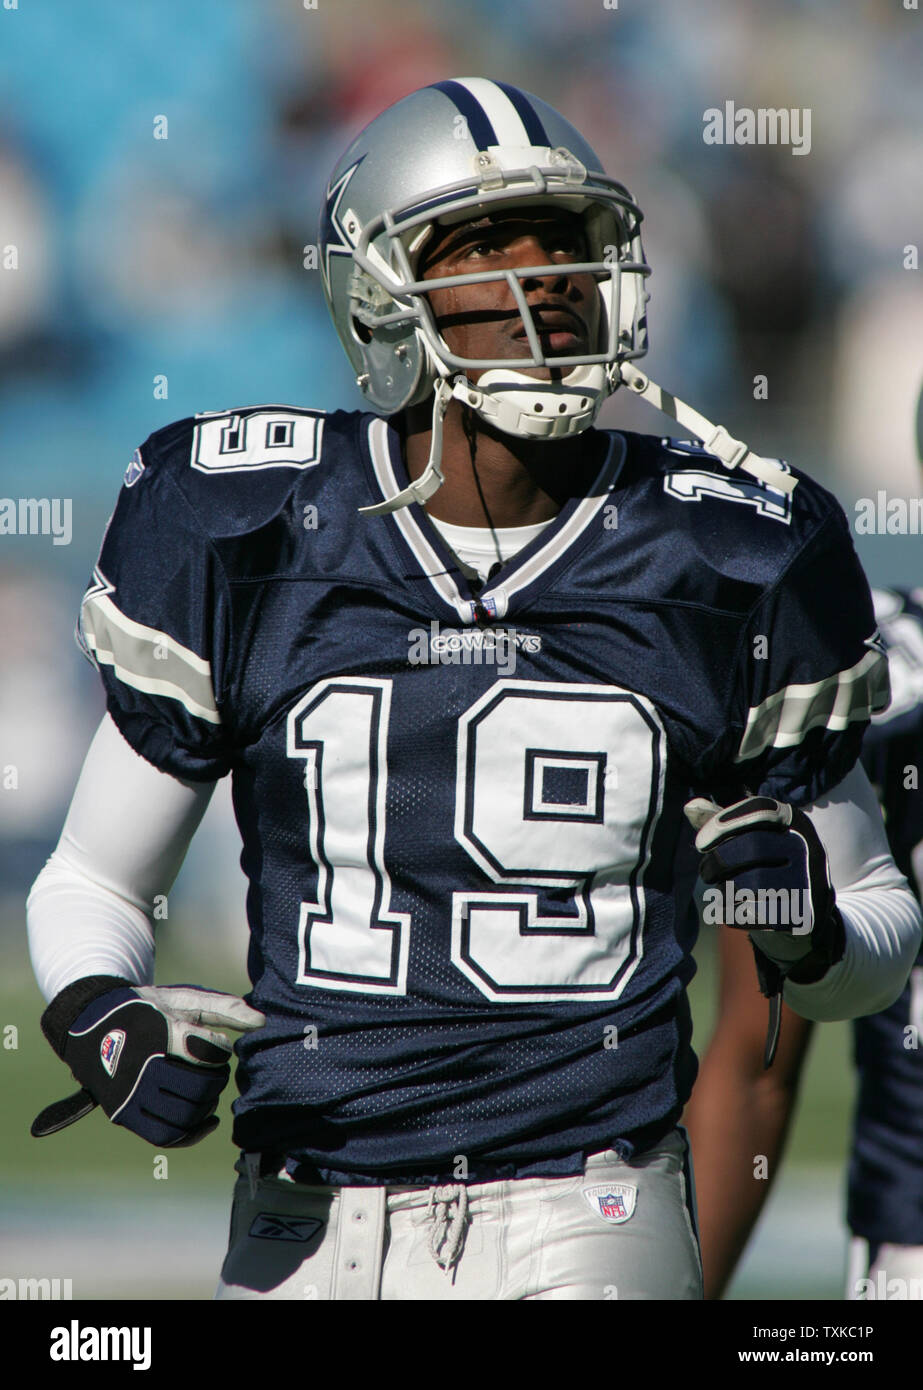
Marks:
<point>455,151</point>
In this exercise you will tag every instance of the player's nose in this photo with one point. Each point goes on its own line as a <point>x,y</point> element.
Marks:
<point>534,250</point>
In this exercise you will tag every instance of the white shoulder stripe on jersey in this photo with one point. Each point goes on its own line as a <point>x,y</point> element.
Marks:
<point>783,719</point>
<point>499,110</point>
<point>146,659</point>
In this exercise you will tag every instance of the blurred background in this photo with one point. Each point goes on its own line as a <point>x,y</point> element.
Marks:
<point>161,166</point>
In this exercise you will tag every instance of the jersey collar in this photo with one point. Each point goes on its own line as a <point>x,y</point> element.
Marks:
<point>532,569</point>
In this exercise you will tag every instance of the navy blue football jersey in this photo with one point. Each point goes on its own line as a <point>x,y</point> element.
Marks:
<point>885,1199</point>
<point>461,810</point>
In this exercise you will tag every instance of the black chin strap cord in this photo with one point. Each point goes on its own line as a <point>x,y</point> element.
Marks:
<point>470,427</point>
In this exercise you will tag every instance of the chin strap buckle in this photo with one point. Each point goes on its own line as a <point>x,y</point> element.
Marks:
<point>733,453</point>
<point>730,451</point>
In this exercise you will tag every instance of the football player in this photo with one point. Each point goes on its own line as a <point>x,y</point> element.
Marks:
<point>466,659</point>
<point>885,1179</point>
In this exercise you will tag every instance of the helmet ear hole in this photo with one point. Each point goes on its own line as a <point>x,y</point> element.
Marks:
<point>361,332</point>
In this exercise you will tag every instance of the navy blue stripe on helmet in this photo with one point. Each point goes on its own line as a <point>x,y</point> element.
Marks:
<point>479,126</point>
<point>527,114</point>
<point>439,201</point>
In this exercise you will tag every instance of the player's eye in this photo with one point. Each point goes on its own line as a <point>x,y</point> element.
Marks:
<point>567,244</point>
<point>479,248</point>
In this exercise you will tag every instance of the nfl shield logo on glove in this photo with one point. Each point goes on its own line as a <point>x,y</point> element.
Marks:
<point>110,1050</point>
<point>614,1203</point>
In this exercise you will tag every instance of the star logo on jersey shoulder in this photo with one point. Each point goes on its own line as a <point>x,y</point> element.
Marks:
<point>876,643</point>
<point>98,585</point>
<point>335,238</point>
<point>134,470</point>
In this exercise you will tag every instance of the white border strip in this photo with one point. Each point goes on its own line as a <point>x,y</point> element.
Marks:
<point>783,719</point>
<point>509,127</point>
<point>121,643</point>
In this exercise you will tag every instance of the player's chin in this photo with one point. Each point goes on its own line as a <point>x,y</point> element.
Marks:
<point>550,373</point>
<point>555,345</point>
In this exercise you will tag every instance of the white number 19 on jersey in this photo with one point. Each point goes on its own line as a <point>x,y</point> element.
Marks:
<point>559,787</point>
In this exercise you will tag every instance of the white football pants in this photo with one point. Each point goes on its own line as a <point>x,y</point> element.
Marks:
<point>621,1230</point>
<point>895,1273</point>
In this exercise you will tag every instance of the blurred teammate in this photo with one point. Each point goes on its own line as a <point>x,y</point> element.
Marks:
<point>885,1178</point>
<point>463,727</point>
<point>885,1196</point>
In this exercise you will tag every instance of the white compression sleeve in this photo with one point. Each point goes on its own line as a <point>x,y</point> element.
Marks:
<point>90,911</point>
<point>880,913</point>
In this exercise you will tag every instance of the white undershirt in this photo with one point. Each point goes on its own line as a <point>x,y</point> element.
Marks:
<point>481,548</point>
<point>91,908</point>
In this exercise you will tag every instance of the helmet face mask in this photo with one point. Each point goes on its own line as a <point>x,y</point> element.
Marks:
<point>482,308</point>
<point>381,310</point>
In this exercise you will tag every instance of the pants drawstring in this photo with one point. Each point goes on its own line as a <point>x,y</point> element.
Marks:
<point>448,1207</point>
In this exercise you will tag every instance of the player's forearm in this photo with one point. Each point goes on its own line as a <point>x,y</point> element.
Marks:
<point>737,1126</point>
<point>881,916</point>
<point>882,942</point>
<point>126,833</point>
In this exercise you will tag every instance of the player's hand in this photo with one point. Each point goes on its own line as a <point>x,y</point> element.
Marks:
<point>763,860</point>
<point>147,1055</point>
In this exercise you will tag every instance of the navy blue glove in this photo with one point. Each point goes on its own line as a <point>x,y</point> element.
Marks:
<point>142,1054</point>
<point>766,872</point>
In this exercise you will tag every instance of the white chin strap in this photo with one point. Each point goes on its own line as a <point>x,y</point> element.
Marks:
<point>733,453</point>
<point>519,405</point>
<point>532,409</point>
